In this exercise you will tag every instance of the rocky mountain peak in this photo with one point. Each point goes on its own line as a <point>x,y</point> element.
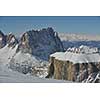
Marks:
<point>40,43</point>
<point>11,40</point>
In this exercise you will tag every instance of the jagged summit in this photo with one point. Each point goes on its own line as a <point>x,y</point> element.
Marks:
<point>8,39</point>
<point>83,50</point>
<point>30,53</point>
<point>11,40</point>
<point>40,43</point>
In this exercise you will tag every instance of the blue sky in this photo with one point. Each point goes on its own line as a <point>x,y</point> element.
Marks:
<point>64,24</point>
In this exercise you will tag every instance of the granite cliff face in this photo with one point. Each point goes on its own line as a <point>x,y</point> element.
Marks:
<point>40,43</point>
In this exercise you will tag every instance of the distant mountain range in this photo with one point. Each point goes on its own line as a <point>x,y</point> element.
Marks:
<point>78,37</point>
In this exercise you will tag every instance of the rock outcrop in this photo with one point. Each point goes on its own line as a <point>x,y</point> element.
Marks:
<point>40,43</point>
<point>11,40</point>
<point>2,40</point>
<point>74,66</point>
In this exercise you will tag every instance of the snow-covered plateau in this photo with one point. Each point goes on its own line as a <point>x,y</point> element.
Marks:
<point>80,64</point>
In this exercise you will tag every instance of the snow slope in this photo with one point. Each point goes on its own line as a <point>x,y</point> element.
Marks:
<point>6,55</point>
<point>28,64</point>
<point>8,75</point>
<point>16,77</point>
<point>22,62</point>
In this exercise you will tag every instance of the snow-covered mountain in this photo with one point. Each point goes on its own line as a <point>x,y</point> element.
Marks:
<point>26,59</point>
<point>6,54</point>
<point>28,64</point>
<point>67,44</point>
<point>11,40</point>
<point>76,40</point>
<point>29,55</point>
<point>40,43</point>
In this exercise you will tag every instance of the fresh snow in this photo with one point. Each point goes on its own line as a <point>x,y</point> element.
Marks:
<point>16,77</point>
<point>22,59</point>
<point>26,62</point>
<point>0,38</point>
<point>6,54</point>
<point>12,40</point>
<point>8,75</point>
<point>89,55</point>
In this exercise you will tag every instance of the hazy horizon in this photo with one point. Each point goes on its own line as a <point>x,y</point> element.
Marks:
<point>61,24</point>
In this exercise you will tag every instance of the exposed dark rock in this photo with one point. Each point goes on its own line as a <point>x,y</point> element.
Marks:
<point>11,40</point>
<point>2,40</point>
<point>40,43</point>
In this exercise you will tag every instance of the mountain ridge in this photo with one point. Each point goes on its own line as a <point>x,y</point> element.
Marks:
<point>29,54</point>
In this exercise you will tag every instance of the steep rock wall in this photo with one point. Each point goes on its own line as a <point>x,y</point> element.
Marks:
<point>66,70</point>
